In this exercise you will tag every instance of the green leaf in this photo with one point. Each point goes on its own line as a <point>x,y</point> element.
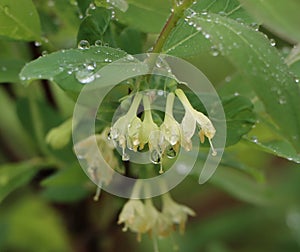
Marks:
<point>131,40</point>
<point>293,61</point>
<point>280,17</point>
<point>13,176</point>
<point>70,68</point>
<point>10,69</point>
<point>240,117</point>
<point>19,20</point>
<point>241,186</point>
<point>252,54</point>
<point>186,41</point>
<point>146,16</point>
<point>33,226</point>
<point>67,185</point>
<point>94,25</point>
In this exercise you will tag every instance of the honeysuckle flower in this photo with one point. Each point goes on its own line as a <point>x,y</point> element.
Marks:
<point>193,117</point>
<point>85,149</point>
<point>176,212</point>
<point>170,127</point>
<point>126,130</point>
<point>148,126</point>
<point>163,225</point>
<point>138,217</point>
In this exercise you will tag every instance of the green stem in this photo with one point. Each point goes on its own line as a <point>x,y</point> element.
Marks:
<point>177,13</point>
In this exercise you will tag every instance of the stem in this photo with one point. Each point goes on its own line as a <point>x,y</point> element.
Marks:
<point>177,13</point>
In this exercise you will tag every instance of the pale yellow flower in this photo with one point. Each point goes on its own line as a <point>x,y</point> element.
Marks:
<point>176,212</point>
<point>191,118</point>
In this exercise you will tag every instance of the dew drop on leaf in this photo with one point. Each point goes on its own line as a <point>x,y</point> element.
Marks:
<point>98,42</point>
<point>37,43</point>
<point>214,51</point>
<point>85,76</point>
<point>272,42</point>
<point>83,44</point>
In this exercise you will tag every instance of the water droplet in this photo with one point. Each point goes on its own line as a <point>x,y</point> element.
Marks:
<point>170,152</point>
<point>83,44</point>
<point>228,79</point>
<point>155,157</point>
<point>90,66</point>
<point>174,139</point>
<point>129,57</point>
<point>254,139</point>
<point>85,76</point>
<point>206,35</point>
<point>125,157</point>
<point>37,43</point>
<point>297,80</point>
<point>236,94</point>
<point>92,6</point>
<point>98,42</point>
<point>282,100</point>
<point>214,51</point>
<point>204,13</point>
<point>114,133</point>
<point>44,53</point>
<point>272,42</point>
<point>160,92</point>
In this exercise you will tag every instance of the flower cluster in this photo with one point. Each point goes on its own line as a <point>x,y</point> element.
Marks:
<point>142,217</point>
<point>129,131</point>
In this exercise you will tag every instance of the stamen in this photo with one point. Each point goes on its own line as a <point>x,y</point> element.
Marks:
<point>214,152</point>
<point>161,171</point>
<point>97,194</point>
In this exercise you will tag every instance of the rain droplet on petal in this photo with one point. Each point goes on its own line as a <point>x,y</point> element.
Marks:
<point>83,44</point>
<point>170,152</point>
<point>155,157</point>
<point>125,157</point>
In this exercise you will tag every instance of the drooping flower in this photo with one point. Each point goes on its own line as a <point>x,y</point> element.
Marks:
<point>148,126</point>
<point>176,212</point>
<point>170,127</point>
<point>138,217</point>
<point>193,117</point>
<point>126,130</point>
<point>88,151</point>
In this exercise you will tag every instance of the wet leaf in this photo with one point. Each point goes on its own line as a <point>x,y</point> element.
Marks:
<point>19,20</point>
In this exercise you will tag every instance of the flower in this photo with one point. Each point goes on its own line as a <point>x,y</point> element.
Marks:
<point>148,126</point>
<point>85,149</point>
<point>191,118</point>
<point>170,127</point>
<point>126,130</point>
<point>176,212</point>
<point>138,217</point>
